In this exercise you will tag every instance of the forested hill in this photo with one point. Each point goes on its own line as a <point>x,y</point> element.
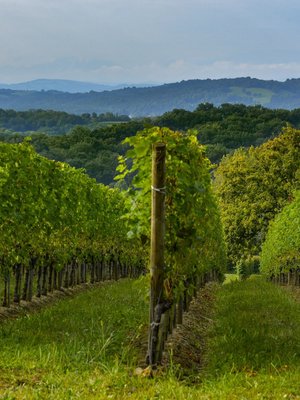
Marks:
<point>96,147</point>
<point>159,99</point>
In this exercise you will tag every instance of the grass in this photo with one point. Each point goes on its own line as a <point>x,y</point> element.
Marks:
<point>256,316</point>
<point>230,278</point>
<point>92,333</point>
<point>255,344</point>
<point>258,95</point>
<point>83,348</point>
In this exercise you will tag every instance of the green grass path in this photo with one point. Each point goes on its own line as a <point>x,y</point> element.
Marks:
<point>83,348</point>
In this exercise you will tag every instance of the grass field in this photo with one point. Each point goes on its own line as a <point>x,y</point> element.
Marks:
<point>258,95</point>
<point>84,348</point>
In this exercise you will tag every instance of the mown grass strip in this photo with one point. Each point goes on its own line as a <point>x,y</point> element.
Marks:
<point>255,344</point>
<point>257,328</point>
<point>61,353</point>
<point>90,329</point>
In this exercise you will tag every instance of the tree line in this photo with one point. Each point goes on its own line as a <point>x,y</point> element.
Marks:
<point>153,101</point>
<point>222,129</point>
<point>53,122</point>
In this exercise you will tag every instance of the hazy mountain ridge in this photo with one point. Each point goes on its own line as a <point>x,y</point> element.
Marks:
<point>156,100</point>
<point>61,85</point>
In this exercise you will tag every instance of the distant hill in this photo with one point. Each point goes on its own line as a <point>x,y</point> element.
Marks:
<point>150,101</point>
<point>61,85</point>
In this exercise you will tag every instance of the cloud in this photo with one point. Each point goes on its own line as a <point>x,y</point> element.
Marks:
<point>148,40</point>
<point>106,72</point>
<point>276,71</point>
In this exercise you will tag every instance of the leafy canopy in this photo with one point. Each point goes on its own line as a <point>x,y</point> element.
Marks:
<point>281,249</point>
<point>253,186</point>
<point>194,236</point>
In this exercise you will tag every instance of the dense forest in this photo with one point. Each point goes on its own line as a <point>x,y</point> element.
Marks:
<point>222,129</point>
<point>53,122</point>
<point>153,101</point>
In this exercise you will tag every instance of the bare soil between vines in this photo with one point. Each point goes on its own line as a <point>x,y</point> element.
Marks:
<point>186,348</point>
<point>294,291</point>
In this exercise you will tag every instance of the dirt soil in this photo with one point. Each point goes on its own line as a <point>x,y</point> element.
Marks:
<point>186,348</point>
<point>294,291</point>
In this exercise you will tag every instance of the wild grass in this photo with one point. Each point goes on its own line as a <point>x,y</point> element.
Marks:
<point>230,278</point>
<point>83,348</point>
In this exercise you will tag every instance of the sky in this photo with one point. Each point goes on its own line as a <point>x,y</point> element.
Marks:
<point>148,41</point>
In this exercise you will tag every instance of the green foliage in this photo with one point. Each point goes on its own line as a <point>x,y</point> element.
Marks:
<point>194,236</point>
<point>52,122</point>
<point>281,249</point>
<point>49,209</point>
<point>94,150</point>
<point>96,147</point>
<point>230,126</point>
<point>245,267</point>
<point>253,186</point>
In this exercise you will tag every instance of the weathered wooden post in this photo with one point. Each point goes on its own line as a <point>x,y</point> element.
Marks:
<point>6,299</point>
<point>157,250</point>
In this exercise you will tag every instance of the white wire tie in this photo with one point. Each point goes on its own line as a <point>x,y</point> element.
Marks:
<point>154,324</point>
<point>159,190</point>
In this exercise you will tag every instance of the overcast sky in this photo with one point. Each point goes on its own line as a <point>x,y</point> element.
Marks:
<point>141,41</point>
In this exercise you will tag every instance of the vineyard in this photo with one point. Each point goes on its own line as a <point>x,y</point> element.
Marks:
<point>57,226</point>
<point>60,228</point>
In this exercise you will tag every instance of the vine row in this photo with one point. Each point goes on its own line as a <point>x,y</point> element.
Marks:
<point>194,250</point>
<point>58,226</point>
<point>280,255</point>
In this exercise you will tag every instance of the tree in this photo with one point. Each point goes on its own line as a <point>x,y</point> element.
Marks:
<point>253,186</point>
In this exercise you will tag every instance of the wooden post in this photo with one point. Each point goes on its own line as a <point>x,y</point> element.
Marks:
<point>44,280</point>
<point>18,274</point>
<point>180,310</point>
<point>6,298</point>
<point>157,250</point>
<point>55,275</point>
<point>60,279</point>
<point>39,280</point>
